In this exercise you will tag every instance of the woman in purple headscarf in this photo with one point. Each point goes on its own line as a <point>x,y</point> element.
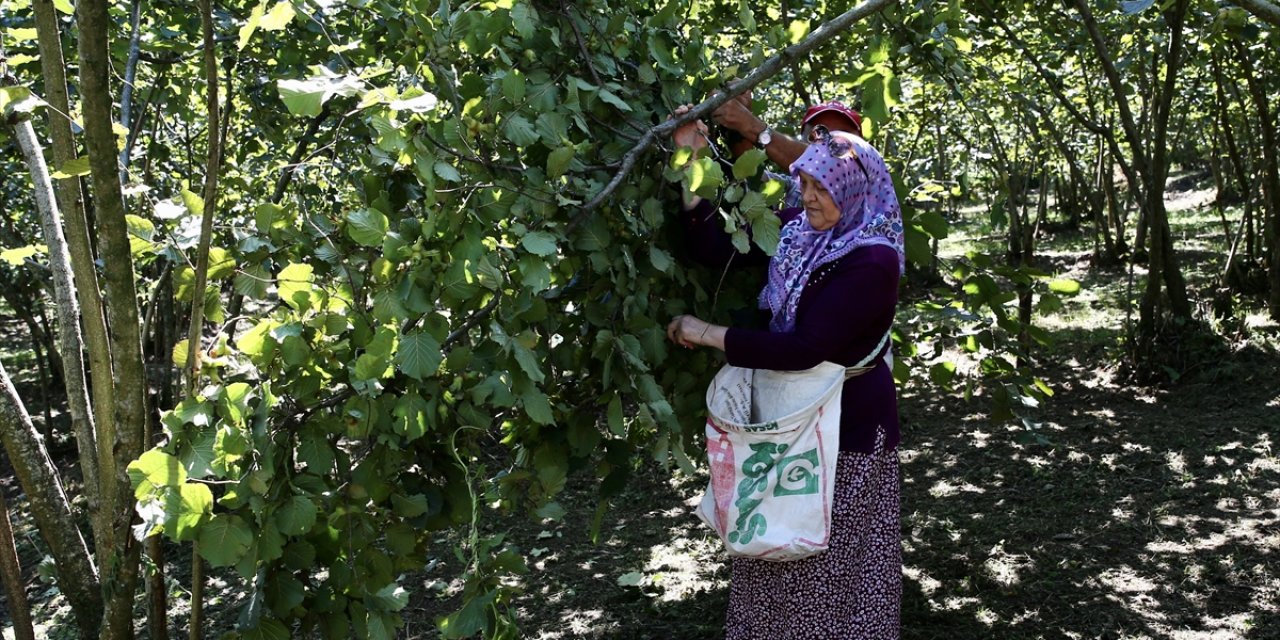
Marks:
<point>832,290</point>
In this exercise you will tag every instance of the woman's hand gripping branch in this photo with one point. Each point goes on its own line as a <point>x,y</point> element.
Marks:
<point>689,332</point>
<point>690,135</point>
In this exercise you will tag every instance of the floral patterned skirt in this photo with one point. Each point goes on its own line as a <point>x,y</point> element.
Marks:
<point>854,589</point>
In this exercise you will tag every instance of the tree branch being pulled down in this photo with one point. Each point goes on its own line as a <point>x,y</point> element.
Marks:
<point>770,68</point>
<point>1267,11</point>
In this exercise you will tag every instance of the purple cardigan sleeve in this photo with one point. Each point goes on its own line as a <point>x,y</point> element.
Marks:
<point>851,308</point>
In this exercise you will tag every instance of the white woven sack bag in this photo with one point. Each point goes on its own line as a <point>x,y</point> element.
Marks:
<point>772,442</point>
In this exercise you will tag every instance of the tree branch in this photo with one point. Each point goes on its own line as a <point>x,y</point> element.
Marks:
<point>1262,9</point>
<point>1117,86</point>
<point>771,67</point>
<point>286,174</point>
<point>1050,81</point>
<point>582,46</point>
<point>474,320</point>
<point>130,75</point>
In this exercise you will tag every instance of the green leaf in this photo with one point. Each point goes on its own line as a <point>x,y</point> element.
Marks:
<point>72,168</point>
<point>392,597</point>
<point>615,417</point>
<point>197,452</point>
<point>296,516</point>
<point>294,285</point>
<point>250,25</point>
<point>446,171</point>
<point>942,373</point>
<point>254,341</point>
<point>522,347</point>
<point>513,86</point>
<point>614,100</point>
<point>552,463</point>
<point>417,104</point>
<point>1064,286</point>
<point>367,226</point>
<point>539,243</point>
<point>469,620</point>
<point>195,506</point>
<point>412,417</point>
<point>917,245</point>
<point>370,367</point>
<point>224,540</point>
<point>307,97</point>
<point>519,131</point>
<point>748,164</point>
<point>16,257</point>
<point>279,16</point>
<point>661,259</point>
<point>221,264</point>
<point>18,102</point>
<point>315,452</point>
<point>419,355</point>
<point>525,19</point>
<point>1136,6</point>
<point>64,6</point>
<point>537,406</point>
<point>797,31</point>
<point>155,468</point>
<point>933,224</point>
<point>379,627</point>
<point>551,511</point>
<point>705,177</point>
<point>558,161</point>
<point>267,629</point>
<point>251,282</point>
<point>411,506</point>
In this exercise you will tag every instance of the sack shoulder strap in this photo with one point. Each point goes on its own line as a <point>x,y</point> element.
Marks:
<point>864,365</point>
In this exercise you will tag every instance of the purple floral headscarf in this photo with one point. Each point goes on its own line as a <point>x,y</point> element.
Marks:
<point>858,180</point>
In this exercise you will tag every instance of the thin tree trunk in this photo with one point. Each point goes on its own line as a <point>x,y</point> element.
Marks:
<point>70,199</point>
<point>50,508</point>
<point>69,337</point>
<point>11,573</point>
<point>1265,10</point>
<point>42,374</point>
<point>1098,206</point>
<point>119,557</point>
<point>1175,284</point>
<point>212,164</point>
<point>130,76</point>
<point>1150,161</point>
<point>1270,180</point>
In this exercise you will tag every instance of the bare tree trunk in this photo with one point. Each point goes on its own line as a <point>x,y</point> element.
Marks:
<point>69,337</point>
<point>11,573</point>
<point>1151,163</point>
<point>119,558</point>
<point>1265,10</point>
<point>1270,181</point>
<point>1175,284</point>
<point>50,508</point>
<point>71,203</point>
<point>1098,206</point>
<point>212,161</point>
<point>130,77</point>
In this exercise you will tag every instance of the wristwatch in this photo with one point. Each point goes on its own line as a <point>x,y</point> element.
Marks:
<point>764,138</point>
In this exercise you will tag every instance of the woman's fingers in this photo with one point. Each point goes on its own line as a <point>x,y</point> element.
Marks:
<point>679,331</point>
<point>674,333</point>
<point>672,327</point>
